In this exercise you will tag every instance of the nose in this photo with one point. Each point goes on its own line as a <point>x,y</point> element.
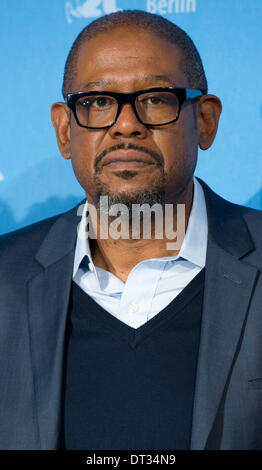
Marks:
<point>127,124</point>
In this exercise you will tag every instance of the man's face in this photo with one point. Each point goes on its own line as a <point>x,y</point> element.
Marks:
<point>127,60</point>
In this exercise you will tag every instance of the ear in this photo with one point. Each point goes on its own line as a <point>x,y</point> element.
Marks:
<point>209,108</point>
<point>60,115</point>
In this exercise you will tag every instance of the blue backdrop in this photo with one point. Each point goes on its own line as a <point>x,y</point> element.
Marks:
<point>36,182</point>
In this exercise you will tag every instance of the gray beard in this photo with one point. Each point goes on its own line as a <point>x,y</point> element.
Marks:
<point>154,195</point>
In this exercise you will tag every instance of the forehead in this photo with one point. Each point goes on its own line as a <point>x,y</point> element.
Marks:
<point>126,59</point>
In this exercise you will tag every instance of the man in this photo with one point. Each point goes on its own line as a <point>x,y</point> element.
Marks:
<point>126,343</point>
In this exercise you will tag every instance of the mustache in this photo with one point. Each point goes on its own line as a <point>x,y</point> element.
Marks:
<point>152,153</point>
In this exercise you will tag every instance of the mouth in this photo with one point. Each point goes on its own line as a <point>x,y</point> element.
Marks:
<point>127,160</point>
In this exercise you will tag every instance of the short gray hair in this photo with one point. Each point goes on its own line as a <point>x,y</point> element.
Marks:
<point>191,62</point>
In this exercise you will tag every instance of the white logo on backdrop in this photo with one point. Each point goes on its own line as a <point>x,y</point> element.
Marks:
<point>165,7</point>
<point>89,9</point>
<point>94,8</point>
<point>1,177</point>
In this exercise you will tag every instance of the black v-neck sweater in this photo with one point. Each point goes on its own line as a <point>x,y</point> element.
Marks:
<point>127,388</point>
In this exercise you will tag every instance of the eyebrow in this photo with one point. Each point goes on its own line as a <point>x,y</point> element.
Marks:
<point>146,78</point>
<point>96,84</point>
<point>156,78</point>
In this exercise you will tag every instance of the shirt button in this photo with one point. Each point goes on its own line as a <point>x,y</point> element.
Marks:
<point>133,307</point>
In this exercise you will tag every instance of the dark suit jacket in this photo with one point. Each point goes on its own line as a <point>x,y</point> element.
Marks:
<point>36,266</point>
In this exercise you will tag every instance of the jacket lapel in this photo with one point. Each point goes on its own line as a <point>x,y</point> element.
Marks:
<point>48,297</point>
<point>228,290</point>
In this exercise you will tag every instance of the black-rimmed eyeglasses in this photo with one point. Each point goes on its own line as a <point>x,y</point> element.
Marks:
<point>152,107</point>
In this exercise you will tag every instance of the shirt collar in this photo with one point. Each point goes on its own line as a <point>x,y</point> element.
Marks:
<point>82,250</point>
<point>193,247</point>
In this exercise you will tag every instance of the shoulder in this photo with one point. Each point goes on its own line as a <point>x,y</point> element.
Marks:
<point>20,246</point>
<point>28,237</point>
<point>216,203</point>
<point>18,250</point>
<point>230,221</point>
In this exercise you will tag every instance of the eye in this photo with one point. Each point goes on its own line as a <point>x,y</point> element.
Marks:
<point>153,100</point>
<point>99,102</point>
<point>102,101</point>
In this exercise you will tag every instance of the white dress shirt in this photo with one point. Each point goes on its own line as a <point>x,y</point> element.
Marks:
<point>151,284</point>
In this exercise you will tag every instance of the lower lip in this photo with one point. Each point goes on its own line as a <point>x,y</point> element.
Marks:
<point>127,164</point>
